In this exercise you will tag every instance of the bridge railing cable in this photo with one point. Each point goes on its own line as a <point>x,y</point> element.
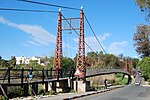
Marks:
<point>46,4</point>
<point>27,10</point>
<point>77,33</point>
<point>94,34</point>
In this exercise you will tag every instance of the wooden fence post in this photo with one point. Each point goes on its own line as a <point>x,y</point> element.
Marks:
<point>57,74</point>
<point>22,76</point>
<point>8,74</point>
<point>51,73</point>
<point>43,76</point>
<point>47,73</point>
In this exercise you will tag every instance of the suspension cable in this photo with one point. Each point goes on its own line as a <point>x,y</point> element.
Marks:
<point>76,32</point>
<point>13,9</point>
<point>54,5</point>
<point>94,34</point>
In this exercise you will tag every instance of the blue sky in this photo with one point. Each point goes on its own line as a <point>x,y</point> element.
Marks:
<point>34,34</point>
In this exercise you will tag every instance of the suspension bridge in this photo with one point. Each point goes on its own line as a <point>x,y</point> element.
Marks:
<point>55,78</point>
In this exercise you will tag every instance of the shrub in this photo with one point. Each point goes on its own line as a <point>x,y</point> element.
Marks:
<point>2,97</point>
<point>51,92</point>
<point>14,91</point>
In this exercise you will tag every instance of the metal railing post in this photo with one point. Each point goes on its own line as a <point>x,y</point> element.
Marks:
<point>43,75</point>
<point>22,76</point>
<point>8,74</point>
<point>51,73</point>
<point>57,74</point>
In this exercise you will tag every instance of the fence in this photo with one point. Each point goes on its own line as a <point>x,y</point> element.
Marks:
<point>20,75</point>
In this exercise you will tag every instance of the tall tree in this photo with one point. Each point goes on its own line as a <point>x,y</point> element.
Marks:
<point>144,66</point>
<point>135,62</point>
<point>144,5</point>
<point>142,40</point>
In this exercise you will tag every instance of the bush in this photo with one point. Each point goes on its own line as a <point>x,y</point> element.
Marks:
<point>42,91</point>
<point>72,91</point>
<point>14,91</point>
<point>2,97</point>
<point>51,92</point>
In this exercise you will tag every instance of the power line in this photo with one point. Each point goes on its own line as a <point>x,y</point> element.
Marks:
<point>13,9</point>
<point>95,34</point>
<point>41,3</point>
<point>76,32</point>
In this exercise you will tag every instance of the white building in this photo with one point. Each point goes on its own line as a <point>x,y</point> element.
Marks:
<point>26,60</point>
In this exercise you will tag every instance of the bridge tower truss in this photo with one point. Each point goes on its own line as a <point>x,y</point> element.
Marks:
<point>81,48</point>
<point>129,65</point>
<point>126,64</point>
<point>58,49</point>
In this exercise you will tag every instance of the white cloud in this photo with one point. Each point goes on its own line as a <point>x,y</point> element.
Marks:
<point>39,36</point>
<point>93,43</point>
<point>117,47</point>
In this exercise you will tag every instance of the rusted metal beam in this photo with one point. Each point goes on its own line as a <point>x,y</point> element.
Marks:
<point>58,49</point>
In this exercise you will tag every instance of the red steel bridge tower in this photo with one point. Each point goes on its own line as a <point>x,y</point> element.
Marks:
<point>81,48</point>
<point>81,45</point>
<point>58,49</point>
<point>129,65</point>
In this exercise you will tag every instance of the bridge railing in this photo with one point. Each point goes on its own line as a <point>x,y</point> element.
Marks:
<point>21,75</point>
<point>94,71</point>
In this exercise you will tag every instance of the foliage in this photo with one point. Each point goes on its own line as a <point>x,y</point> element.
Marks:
<point>51,63</point>
<point>8,63</point>
<point>14,91</point>
<point>144,65</point>
<point>118,75</point>
<point>144,5</point>
<point>91,58</point>
<point>2,97</point>
<point>135,62</point>
<point>12,61</point>
<point>42,91</point>
<point>67,63</point>
<point>120,79</point>
<point>3,63</point>
<point>51,92</point>
<point>142,40</point>
<point>103,60</point>
<point>72,91</point>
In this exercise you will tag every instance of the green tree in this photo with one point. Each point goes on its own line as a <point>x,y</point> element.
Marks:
<point>4,63</point>
<point>67,63</point>
<point>51,62</point>
<point>12,61</point>
<point>142,40</point>
<point>135,62</point>
<point>91,58</point>
<point>33,63</point>
<point>144,65</point>
<point>111,61</point>
<point>144,5</point>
